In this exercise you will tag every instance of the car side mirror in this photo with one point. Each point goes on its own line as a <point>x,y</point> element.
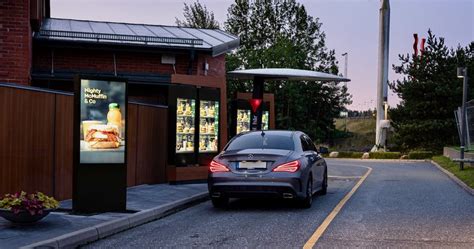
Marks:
<point>323,150</point>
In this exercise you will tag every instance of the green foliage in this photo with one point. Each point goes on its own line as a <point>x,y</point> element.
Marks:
<point>466,175</point>
<point>385,155</point>
<point>33,203</point>
<point>280,34</point>
<point>196,15</point>
<point>430,92</point>
<point>420,155</point>
<point>350,154</point>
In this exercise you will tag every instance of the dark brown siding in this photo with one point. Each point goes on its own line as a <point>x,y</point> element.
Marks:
<point>63,146</point>
<point>26,140</point>
<point>151,145</point>
<point>132,144</point>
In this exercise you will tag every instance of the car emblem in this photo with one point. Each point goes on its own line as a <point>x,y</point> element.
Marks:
<point>250,156</point>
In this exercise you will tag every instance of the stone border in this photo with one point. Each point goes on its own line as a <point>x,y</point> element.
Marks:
<point>454,178</point>
<point>102,230</point>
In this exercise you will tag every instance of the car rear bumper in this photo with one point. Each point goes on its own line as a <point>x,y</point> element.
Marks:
<point>243,187</point>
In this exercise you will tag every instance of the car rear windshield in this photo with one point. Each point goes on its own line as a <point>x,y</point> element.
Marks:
<point>257,141</point>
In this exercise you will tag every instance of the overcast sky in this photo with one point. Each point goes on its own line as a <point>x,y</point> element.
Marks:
<point>350,26</point>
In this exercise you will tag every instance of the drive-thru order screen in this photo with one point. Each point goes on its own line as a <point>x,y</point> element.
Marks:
<point>102,121</point>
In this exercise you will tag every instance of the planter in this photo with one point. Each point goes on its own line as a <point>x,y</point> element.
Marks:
<point>23,217</point>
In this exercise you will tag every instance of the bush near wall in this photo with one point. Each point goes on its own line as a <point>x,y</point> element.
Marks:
<point>350,154</point>
<point>384,155</point>
<point>420,155</point>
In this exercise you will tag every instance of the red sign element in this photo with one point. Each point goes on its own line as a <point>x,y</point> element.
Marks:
<point>255,103</point>
<point>415,45</point>
<point>422,47</point>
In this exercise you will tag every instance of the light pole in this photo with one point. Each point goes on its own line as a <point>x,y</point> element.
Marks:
<point>346,55</point>
<point>462,73</point>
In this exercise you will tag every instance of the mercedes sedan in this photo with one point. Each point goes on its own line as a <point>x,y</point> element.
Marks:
<point>281,164</point>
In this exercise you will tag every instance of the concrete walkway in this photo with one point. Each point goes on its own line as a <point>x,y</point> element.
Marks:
<point>61,229</point>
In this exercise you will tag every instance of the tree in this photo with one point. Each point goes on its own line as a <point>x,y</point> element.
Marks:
<point>430,92</point>
<point>196,15</point>
<point>281,34</point>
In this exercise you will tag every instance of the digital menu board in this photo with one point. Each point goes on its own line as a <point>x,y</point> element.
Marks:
<point>102,121</point>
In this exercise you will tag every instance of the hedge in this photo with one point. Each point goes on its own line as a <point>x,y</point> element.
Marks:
<point>420,155</point>
<point>385,155</point>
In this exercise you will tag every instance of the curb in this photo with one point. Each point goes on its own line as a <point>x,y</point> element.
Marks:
<point>454,178</point>
<point>102,230</point>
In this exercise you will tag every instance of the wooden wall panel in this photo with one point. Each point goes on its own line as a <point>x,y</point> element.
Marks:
<point>151,145</point>
<point>26,144</point>
<point>132,144</point>
<point>63,166</point>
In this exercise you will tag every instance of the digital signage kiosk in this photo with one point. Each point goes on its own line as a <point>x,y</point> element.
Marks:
<point>100,149</point>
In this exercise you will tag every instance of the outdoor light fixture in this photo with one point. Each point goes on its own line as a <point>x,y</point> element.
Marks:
<point>462,72</point>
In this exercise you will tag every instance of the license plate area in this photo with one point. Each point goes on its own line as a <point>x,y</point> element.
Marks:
<point>251,165</point>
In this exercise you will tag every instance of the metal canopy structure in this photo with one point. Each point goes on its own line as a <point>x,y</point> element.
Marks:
<point>215,41</point>
<point>260,75</point>
<point>285,74</point>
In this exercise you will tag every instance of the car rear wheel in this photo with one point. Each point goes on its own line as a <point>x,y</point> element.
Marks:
<point>220,202</point>
<point>306,202</point>
<point>324,188</point>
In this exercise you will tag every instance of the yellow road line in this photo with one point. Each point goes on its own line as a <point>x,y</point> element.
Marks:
<point>320,230</point>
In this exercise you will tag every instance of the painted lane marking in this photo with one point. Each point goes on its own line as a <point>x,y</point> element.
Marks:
<point>322,228</point>
<point>345,177</point>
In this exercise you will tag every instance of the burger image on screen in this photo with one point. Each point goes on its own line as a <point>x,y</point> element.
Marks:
<point>103,137</point>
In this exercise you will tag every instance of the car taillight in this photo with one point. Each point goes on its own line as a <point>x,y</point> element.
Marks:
<point>291,167</point>
<point>217,167</point>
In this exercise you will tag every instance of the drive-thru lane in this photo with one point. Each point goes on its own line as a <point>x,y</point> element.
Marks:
<point>399,204</point>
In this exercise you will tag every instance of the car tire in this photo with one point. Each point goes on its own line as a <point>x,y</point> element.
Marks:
<point>324,187</point>
<point>220,202</point>
<point>308,200</point>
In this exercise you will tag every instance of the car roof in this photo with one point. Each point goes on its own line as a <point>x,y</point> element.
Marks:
<point>272,132</point>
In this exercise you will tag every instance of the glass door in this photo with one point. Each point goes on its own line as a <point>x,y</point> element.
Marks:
<point>185,113</point>
<point>208,126</point>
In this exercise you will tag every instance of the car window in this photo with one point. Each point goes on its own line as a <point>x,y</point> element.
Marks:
<point>304,143</point>
<point>257,141</point>
<point>310,143</point>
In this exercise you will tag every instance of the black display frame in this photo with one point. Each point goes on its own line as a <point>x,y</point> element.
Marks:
<point>245,105</point>
<point>175,92</point>
<point>98,187</point>
<point>208,94</point>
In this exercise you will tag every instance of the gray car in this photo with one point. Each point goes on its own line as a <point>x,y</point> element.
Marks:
<point>281,164</point>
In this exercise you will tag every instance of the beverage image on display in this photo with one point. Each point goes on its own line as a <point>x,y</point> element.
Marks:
<point>243,120</point>
<point>185,113</point>
<point>208,126</point>
<point>102,121</point>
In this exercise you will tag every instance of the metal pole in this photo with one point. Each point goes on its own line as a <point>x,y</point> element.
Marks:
<point>463,117</point>
<point>256,117</point>
<point>382,79</point>
<point>346,55</point>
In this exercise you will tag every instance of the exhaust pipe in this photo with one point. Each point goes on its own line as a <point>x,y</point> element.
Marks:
<point>287,196</point>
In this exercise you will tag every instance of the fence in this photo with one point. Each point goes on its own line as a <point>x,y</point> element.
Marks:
<point>36,128</point>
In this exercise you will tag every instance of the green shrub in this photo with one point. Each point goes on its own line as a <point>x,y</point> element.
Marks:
<point>420,155</point>
<point>350,154</point>
<point>384,155</point>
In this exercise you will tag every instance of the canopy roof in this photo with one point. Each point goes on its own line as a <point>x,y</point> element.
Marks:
<point>214,41</point>
<point>284,74</point>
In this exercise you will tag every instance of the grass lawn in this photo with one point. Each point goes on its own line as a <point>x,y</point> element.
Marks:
<point>466,175</point>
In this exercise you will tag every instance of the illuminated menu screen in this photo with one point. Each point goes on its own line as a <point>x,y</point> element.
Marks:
<point>265,118</point>
<point>208,126</point>
<point>102,121</point>
<point>185,113</point>
<point>243,120</point>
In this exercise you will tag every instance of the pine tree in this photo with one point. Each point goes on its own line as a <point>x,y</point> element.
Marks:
<point>430,92</point>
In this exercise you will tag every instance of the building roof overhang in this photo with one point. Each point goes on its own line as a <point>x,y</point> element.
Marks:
<point>214,41</point>
<point>285,74</point>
